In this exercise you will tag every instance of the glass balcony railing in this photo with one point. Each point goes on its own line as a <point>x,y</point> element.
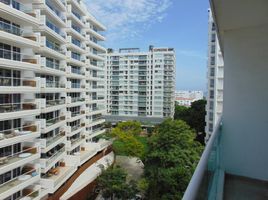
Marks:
<point>52,84</point>
<point>202,184</point>
<point>17,5</point>
<point>52,140</point>
<point>18,131</point>
<point>74,114</point>
<point>55,156</point>
<point>15,157</point>
<point>77,99</point>
<point>54,10</point>
<point>76,85</point>
<point>16,181</point>
<point>54,46</point>
<point>16,82</point>
<point>50,122</point>
<point>9,28</point>
<point>15,107</point>
<point>52,64</point>
<point>55,102</point>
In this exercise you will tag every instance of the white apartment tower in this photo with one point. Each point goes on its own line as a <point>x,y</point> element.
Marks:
<point>215,78</point>
<point>140,85</point>
<point>50,110</point>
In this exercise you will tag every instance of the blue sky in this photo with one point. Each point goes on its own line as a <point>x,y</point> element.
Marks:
<point>181,24</point>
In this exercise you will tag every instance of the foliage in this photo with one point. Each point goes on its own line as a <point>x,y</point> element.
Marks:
<point>194,117</point>
<point>127,140</point>
<point>172,157</point>
<point>130,127</point>
<point>113,185</point>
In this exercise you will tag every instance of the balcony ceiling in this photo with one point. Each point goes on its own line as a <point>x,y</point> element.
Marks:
<point>238,14</point>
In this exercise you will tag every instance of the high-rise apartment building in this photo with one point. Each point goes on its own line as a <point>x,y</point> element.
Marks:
<point>215,74</point>
<point>50,105</point>
<point>140,85</point>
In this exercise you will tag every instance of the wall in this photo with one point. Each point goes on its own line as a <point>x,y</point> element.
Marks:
<point>245,121</point>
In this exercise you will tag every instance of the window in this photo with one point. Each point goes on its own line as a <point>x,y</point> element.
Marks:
<point>212,60</point>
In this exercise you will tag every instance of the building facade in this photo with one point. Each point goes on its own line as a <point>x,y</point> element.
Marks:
<point>140,85</point>
<point>51,108</point>
<point>186,98</point>
<point>215,74</point>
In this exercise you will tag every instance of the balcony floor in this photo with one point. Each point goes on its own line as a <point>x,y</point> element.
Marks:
<point>241,188</point>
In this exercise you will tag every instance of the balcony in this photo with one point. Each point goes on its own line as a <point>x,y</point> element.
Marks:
<point>211,181</point>
<point>20,158</point>
<point>54,84</point>
<point>46,162</point>
<point>55,11</point>
<point>18,183</point>
<point>55,178</point>
<point>56,102</point>
<point>17,82</point>
<point>26,132</point>
<point>77,99</point>
<point>54,47</point>
<point>46,142</point>
<point>17,56</point>
<point>21,108</point>
<point>54,121</point>
<point>19,6</point>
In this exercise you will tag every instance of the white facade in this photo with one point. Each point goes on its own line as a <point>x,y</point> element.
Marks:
<point>186,98</point>
<point>50,110</point>
<point>141,85</point>
<point>215,74</point>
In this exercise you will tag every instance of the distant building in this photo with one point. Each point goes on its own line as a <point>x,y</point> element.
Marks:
<point>186,98</point>
<point>215,78</point>
<point>140,85</point>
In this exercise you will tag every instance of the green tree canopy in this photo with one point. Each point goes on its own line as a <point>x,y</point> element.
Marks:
<point>130,127</point>
<point>172,157</point>
<point>194,117</point>
<point>126,139</point>
<point>112,183</point>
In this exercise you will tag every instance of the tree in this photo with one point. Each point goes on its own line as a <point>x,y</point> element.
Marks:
<point>113,184</point>
<point>130,127</point>
<point>172,157</point>
<point>194,117</point>
<point>126,142</point>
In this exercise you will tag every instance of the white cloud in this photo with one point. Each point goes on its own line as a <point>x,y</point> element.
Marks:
<point>127,19</point>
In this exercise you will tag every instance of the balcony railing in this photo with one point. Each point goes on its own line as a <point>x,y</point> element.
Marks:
<point>17,180</point>
<point>52,64</point>
<point>207,171</point>
<point>77,99</point>
<point>15,107</point>
<point>51,140</point>
<point>16,82</point>
<point>74,128</point>
<point>55,156</point>
<point>18,131</point>
<point>54,84</point>
<point>54,46</point>
<point>55,102</point>
<point>53,121</point>
<point>17,6</point>
<point>76,85</point>
<point>9,28</point>
<point>5,160</point>
<point>54,10</point>
<point>17,56</point>
<point>74,114</point>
